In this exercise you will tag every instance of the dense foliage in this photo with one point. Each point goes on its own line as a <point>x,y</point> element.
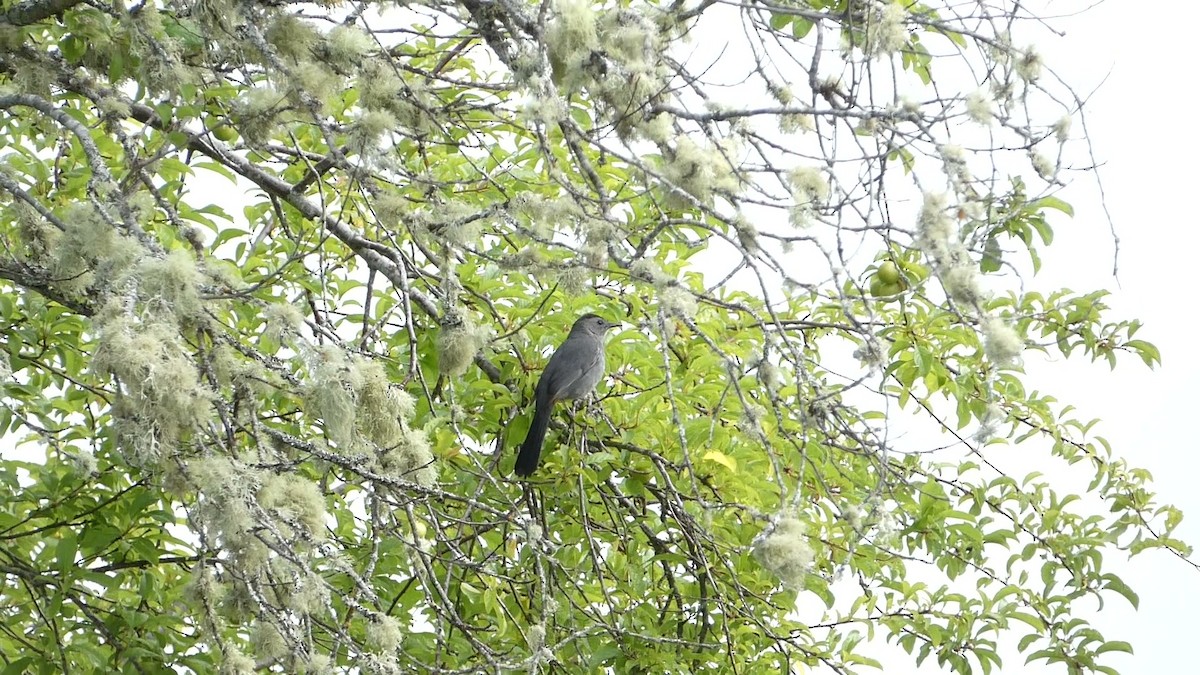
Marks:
<point>278,280</point>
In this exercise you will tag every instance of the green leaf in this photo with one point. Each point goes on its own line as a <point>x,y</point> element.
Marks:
<point>72,47</point>
<point>1052,202</point>
<point>1147,351</point>
<point>1114,583</point>
<point>19,666</point>
<point>65,550</point>
<point>1114,646</point>
<point>992,256</point>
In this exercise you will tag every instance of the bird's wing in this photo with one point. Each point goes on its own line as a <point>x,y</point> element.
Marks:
<point>567,367</point>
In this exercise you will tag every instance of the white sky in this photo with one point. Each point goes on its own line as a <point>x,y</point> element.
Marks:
<point>1144,139</point>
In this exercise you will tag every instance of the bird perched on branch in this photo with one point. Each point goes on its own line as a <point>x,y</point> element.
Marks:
<point>572,373</point>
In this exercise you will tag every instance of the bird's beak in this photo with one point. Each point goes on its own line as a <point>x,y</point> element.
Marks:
<point>612,325</point>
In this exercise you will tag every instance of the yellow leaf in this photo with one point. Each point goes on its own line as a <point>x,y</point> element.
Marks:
<point>722,459</point>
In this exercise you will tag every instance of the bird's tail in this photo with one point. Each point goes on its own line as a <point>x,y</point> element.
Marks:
<point>531,449</point>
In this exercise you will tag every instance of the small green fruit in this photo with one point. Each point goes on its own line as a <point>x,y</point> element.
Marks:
<point>222,131</point>
<point>889,273</point>
<point>881,289</point>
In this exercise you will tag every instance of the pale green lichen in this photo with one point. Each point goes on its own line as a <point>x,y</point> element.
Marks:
<point>575,280</point>
<point>854,516</point>
<point>411,458</point>
<point>357,402</point>
<point>231,369</point>
<point>1062,128</point>
<point>526,67</point>
<point>1043,165</point>
<point>980,108</point>
<point>954,160</point>
<point>381,87</point>
<point>383,407</point>
<point>346,45</point>
<point>989,423</point>
<point>162,397</point>
<point>331,390</point>
<point>791,123</point>
<point>172,284</point>
<point>1029,65</point>
<point>625,97</point>
<point>808,184</point>
<point>961,283</point>
<point>544,215</point>
<point>938,238</point>
<point>659,129</point>
<point>227,488</point>
<point>751,419</point>
<point>700,171</point>
<point>292,37</point>
<point>379,664</point>
<point>234,662</point>
<point>113,108</point>
<point>143,205</point>
<point>629,37</point>
<point>535,637</point>
<point>267,641</point>
<point>786,552</point>
<point>630,74</point>
<point>459,340</point>
<point>936,233</point>
<point>366,133</point>
<point>1001,342</point>
<point>317,80</point>
<point>908,107</point>
<point>595,253</point>
<point>570,40</point>
<point>316,664</point>
<point>258,112</point>
<point>84,461</point>
<point>297,500</point>
<point>281,321</point>
<point>544,110</point>
<point>89,249</point>
<point>885,30</point>
<point>528,258</point>
<point>648,269</point>
<point>677,301</point>
<point>781,93</point>
<point>38,238</point>
<point>870,353</point>
<point>392,208</point>
<point>384,634</point>
<point>461,231</point>
<point>309,595</point>
<point>378,85</point>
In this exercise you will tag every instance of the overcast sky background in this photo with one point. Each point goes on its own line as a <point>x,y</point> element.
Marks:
<point>1145,139</point>
<point>1139,121</point>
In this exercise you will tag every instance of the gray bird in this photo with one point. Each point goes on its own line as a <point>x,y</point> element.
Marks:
<point>572,373</point>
